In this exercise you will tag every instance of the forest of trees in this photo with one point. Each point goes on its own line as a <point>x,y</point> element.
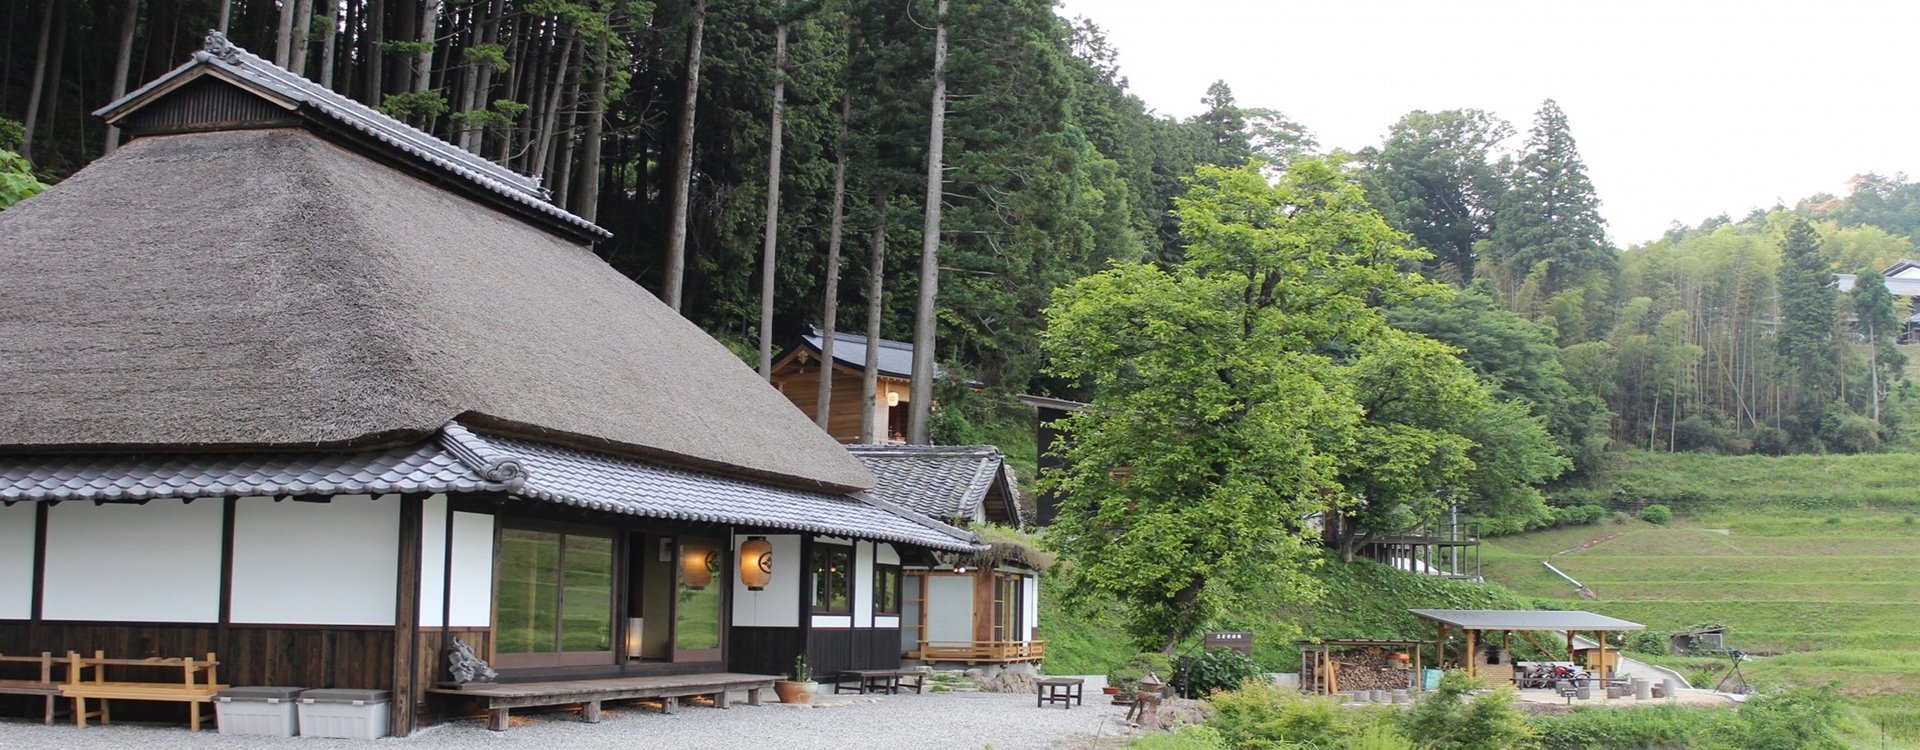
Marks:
<point>755,155</point>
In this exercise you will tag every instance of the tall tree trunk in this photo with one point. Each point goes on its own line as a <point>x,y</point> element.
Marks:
<point>283,37</point>
<point>328,38</point>
<point>683,165</point>
<point>586,191</point>
<point>56,64</point>
<point>475,140</point>
<point>876,289</point>
<point>376,34</point>
<point>919,407</point>
<point>550,122</point>
<point>1873,352</point>
<point>122,60</point>
<point>830,290</point>
<point>302,30</point>
<point>429,27</point>
<point>769,236</point>
<point>39,88</point>
<point>226,14</point>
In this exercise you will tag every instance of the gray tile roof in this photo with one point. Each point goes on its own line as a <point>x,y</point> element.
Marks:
<point>461,460</point>
<point>943,481</point>
<point>616,485</point>
<point>275,81</point>
<point>1525,619</point>
<point>896,357</point>
<point>418,468</point>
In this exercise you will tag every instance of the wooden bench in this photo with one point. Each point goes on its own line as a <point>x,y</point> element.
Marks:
<point>500,698</point>
<point>878,680</point>
<point>44,686</point>
<point>189,690</point>
<point>1065,691</point>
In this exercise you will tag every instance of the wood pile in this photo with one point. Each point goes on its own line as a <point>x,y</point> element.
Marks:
<point>1371,669</point>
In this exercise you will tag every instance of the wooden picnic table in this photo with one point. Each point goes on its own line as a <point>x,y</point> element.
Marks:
<point>1065,691</point>
<point>877,680</point>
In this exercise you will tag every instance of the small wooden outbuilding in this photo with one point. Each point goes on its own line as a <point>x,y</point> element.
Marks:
<point>1483,657</point>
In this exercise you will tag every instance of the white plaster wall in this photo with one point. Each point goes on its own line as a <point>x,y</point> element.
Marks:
<point>949,608</point>
<point>886,621</point>
<point>778,606</point>
<point>331,563</point>
<point>832,621</point>
<point>885,554</point>
<point>158,562</point>
<point>1030,602</point>
<point>472,601</point>
<point>863,584</point>
<point>16,560</point>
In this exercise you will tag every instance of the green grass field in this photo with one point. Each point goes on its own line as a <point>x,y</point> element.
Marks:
<point>1826,592</point>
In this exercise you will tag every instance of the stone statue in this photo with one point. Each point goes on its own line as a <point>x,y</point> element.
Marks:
<point>465,665</point>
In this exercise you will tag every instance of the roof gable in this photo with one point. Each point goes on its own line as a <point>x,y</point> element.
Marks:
<point>962,483</point>
<point>316,105</point>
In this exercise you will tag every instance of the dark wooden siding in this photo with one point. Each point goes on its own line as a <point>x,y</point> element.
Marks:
<point>859,648</point>
<point>207,104</point>
<point>765,650</point>
<point>1048,504</point>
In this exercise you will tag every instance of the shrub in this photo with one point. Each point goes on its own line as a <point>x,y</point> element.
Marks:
<point>1699,434</point>
<point>1908,520</point>
<point>1833,520</point>
<point>1799,719</point>
<point>1259,715</point>
<point>1218,669</point>
<point>1594,513</point>
<point>1619,729</point>
<point>1189,737</point>
<point>1446,720</point>
<point>1127,675</point>
<point>1850,433</point>
<point>1656,513</point>
<point>1651,642</point>
<point>1771,441</point>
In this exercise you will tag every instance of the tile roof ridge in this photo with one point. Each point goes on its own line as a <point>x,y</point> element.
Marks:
<point>487,460</point>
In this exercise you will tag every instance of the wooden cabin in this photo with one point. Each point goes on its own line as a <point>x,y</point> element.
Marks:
<point>294,383</point>
<point>797,374</point>
<point>974,608</point>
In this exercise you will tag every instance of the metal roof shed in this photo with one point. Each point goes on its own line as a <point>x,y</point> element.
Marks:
<point>1472,622</point>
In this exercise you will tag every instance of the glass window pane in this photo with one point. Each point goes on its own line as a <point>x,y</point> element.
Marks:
<point>832,576</point>
<point>702,578</point>
<point>587,615</point>
<point>529,591</point>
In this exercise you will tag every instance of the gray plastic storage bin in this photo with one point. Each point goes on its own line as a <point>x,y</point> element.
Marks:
<point>258,711</point>
<point>348,714</point>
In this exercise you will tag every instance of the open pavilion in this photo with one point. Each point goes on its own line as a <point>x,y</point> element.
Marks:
<point>1473,623</point>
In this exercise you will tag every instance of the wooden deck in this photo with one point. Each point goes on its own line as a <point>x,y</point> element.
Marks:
<point>499,698</point>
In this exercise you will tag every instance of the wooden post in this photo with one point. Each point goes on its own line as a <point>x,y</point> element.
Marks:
<point>1601,635</point>
<point>406,618</point>
<point>1471,657</point>
<point>1570,652</point>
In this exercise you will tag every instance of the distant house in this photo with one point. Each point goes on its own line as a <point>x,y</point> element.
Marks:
<point>978,608</point>
<point>1047,414</point>
<point>1903,280</point>
<point>290,381</point>
<point>797,373</point>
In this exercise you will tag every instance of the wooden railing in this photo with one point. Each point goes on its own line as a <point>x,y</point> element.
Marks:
<point>981,652</point>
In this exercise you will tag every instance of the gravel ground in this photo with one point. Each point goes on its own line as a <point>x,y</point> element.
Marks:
<point>895,722</point>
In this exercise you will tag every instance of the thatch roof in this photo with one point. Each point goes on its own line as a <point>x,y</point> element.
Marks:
<point>267,289</point>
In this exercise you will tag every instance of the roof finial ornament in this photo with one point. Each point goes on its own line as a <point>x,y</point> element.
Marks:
<point>218,46</point>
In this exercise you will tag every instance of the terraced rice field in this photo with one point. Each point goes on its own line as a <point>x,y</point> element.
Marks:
<point>1819,595</point>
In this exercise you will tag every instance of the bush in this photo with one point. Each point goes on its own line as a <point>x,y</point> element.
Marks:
<point>1659,514</point>
<point>1701,435</point>
<point>1833,520</point>
<point>1619,729</point>
<point>1771,441</point>
<point>1127,675</point>
<point>1263,716</point>
<point>1189,737</point>
<point>1850,433</point>
<point>1446,720</point>
<point>1651,642</point>
<point>1215,670</point>
<point>1800,719</point>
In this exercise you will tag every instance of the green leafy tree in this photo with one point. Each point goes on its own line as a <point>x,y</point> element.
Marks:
<point>1435,178</point>
<point>1221,131</point>
<point>17,182</point>
<point>1805,342</point>
<point>1212,437</point>
<point>1549,220</point>
<point>1879,325</point>
<point>1453,718</point>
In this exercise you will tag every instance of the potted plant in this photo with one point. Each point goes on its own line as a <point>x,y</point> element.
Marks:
<point>800,688</point>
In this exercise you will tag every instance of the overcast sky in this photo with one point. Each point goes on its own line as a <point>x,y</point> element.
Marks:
<point>1682,109</point>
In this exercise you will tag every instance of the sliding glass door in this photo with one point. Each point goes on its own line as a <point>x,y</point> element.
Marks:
<point>555,605</point>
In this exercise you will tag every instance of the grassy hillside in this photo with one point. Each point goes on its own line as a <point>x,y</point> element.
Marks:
<point>1812,561</point>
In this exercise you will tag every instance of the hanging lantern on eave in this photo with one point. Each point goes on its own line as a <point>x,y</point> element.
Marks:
<point>756,563</point>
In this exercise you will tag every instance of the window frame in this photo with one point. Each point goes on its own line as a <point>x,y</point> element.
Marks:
<point>881,572</point>
<point>820,560</point>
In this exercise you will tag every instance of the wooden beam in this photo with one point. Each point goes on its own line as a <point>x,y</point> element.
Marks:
<point>406,620</point>
<point>1602,668</point>
<point>1472,658</point>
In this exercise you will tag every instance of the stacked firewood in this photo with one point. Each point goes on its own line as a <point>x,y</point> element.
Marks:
<point>1372,669</point>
